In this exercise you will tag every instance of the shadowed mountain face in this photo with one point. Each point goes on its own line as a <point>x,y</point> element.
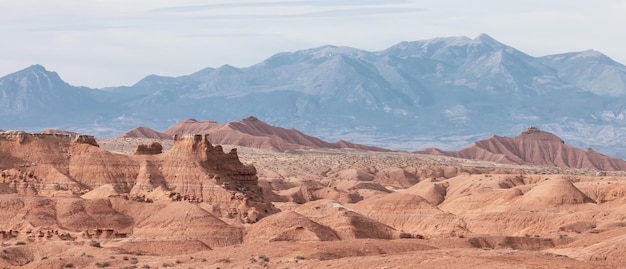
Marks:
<point>534,147</point>
<point>444,92</point>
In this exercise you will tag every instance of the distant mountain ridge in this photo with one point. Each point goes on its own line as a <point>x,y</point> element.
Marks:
<point>443,92</point>
<point>144,132</point>
<point>254,133</point>
<point>534,147</point>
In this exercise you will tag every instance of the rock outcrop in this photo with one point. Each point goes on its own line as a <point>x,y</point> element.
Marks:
<point>153,148</point>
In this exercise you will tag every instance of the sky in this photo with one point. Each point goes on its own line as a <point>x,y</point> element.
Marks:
<point>105,43</point>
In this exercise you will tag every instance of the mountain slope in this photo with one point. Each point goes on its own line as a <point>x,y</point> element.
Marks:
<point>534,147</point>
<point>144,132</point>
<point>254,133</point>
<point>36,98</point>
<point>590,70</point>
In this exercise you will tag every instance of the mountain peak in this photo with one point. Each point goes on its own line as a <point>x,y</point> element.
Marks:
<point>487,40</point>
<point>251,118</point>
<point>36,67</point>
<point>534,133</point>
<point>35,76</point>
<point>144,132</point>
<point>37,70</point>
<point>330,51</point>
<point>590,54</point>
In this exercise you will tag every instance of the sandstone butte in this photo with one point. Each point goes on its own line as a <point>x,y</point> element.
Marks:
<point>65,202</point>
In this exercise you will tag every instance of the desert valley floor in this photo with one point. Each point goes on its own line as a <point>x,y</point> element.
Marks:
<point>333,208</point>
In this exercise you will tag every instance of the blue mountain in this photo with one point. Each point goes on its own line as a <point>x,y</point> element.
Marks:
<point>443,92</point>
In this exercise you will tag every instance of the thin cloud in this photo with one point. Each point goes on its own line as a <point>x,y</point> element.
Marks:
<point>77,28</point>
<point>274,4</point>
<point>317,14</point>
<point>202,35</point>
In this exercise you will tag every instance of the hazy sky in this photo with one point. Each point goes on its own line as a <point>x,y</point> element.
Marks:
<point>98,43</point>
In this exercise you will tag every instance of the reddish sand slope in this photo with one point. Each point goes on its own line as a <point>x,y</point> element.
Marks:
<point>144,132</point>
<point>534,147</point>
<point>254,133</point>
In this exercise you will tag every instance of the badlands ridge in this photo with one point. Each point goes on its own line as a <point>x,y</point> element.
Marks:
<point>71,201</point>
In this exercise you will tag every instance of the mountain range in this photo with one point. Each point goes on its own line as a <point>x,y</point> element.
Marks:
<point>443,92</point>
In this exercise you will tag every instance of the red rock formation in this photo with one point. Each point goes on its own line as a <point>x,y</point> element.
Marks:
<point>254,133</point>
<point>193,170</point>
<point>534,147</point>
<point>153,148</point>
<point>144,132</point>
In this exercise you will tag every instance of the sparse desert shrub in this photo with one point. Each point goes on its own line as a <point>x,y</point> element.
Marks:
<point>264,258</point>
<point>167,264</point>
<point>103,264</point>
<point>95,244</point>
<point>224,260</point>
<point>145,266</point>
<point>20,243</point>
<point>300,258</point>
<point>69,265</point>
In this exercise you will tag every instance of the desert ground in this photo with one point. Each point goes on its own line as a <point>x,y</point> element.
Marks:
<point>317,209</point>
